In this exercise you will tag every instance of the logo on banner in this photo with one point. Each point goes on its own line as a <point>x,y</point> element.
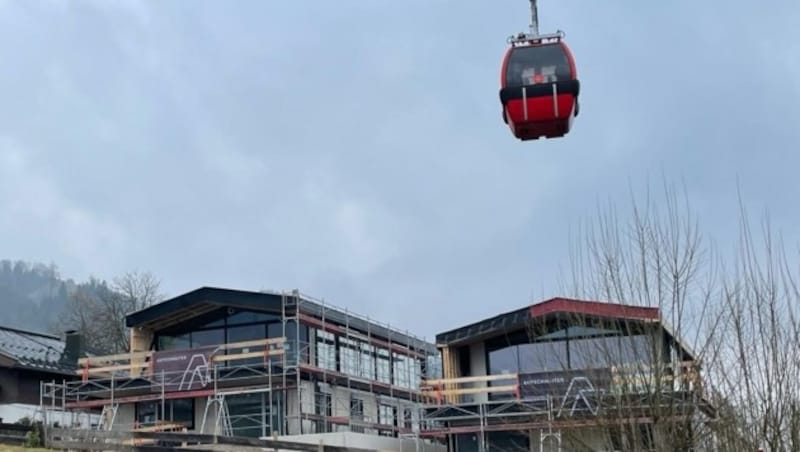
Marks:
<point>183,370</point>
<point>579,390</point>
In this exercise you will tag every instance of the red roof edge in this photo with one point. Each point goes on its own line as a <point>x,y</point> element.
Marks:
<point>594,308</point>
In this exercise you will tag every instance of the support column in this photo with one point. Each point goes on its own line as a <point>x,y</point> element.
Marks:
<point>451,368</point>
<point>141,338</point>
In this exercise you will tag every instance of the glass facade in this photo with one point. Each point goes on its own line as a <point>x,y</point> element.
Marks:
<point>361,359</point>
<point>255,415</point>
<point>570,349</point>
<point>535,357</point>
<point>326,350</point>
<point>349,355</point>
<point>224,328</point>
<point>178,411</point>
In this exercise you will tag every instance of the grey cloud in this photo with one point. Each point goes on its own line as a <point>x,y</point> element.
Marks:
<point>356,150</point>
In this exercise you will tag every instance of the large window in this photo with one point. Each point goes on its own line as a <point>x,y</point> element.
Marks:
<point>358,358</point>
<point>384,366</point>
<point>387,416</point>
<point>204,338</point>
<point>433,365</point>
<point>326,350</point>
<point>220,328</point>
<point>246,333</point>
<point>177,411</point>
<point>176,342</point>
<point>542,356</point>
<point>255,415</point>
<point>570,350</point>
<point>349,356</point>
<point>402,370</point>
<point>416,373</point>
<point>296,342</point>
<point>367,363</point>
<point>609,351</point>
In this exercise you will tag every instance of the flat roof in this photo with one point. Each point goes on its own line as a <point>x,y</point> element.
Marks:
<point>207,299</point>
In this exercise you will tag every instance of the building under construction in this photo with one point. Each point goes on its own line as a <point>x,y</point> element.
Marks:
<point>568,375</point>
<point>257,364</point>
<point>559,375</point>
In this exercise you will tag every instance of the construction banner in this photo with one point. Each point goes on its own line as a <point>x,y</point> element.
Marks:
<point>183,370</point>
<point>571,390</point>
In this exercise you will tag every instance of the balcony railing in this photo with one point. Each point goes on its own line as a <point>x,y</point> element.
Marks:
<point>631,379</point>
<point>197,361</point>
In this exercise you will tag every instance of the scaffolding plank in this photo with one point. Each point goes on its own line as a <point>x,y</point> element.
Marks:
<point>476,379</point>
<point>111,358</point>
<point>118,367</point>
<point>140,398</point>
<point>487,389</point>
<point>248,355</point>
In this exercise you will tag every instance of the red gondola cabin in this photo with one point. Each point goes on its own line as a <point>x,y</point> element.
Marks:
<point>539,89</point>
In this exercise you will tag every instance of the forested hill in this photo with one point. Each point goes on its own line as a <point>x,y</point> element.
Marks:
<point>32,295</point>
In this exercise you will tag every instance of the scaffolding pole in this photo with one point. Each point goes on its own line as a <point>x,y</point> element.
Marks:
<point>364,370</point>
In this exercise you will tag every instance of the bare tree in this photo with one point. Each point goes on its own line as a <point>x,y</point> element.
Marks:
<point>98,310</point>
<point>133,291</point>
<point>739,321</point>
<point>718,373</point>
<point>757,379</point>
<point>641,380</point>
<point>656,257</point>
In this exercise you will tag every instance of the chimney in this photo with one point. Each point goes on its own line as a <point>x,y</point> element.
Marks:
<point>73,348</point>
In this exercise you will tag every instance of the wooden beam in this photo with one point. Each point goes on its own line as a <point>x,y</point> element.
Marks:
<point>238,356</point>
<point>254,343</point>
<point>110,358</point>
<point>476,379</point>
<point>136,362</point>
<point>141,338</point>
<point>481,390</point>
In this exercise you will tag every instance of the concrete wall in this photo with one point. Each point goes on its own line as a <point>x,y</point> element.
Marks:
<point>340,400</point>
<point>477,367</point>
<point>587,439</point>
<point>364,441</point>
<point>126,416</point>
<point>210,427</point>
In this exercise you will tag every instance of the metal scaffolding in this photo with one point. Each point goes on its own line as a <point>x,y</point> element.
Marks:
<point>482,405</point>
<point>311,394</point>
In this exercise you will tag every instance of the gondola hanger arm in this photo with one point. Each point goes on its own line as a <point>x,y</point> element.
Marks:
<point>533,35</point>
<point>534,19</point>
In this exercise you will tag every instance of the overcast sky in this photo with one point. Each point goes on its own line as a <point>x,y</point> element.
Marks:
<point>355,149</point>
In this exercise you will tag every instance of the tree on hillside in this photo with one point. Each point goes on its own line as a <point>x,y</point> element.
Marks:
<point>32,295</point>
<point>98,309</point>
